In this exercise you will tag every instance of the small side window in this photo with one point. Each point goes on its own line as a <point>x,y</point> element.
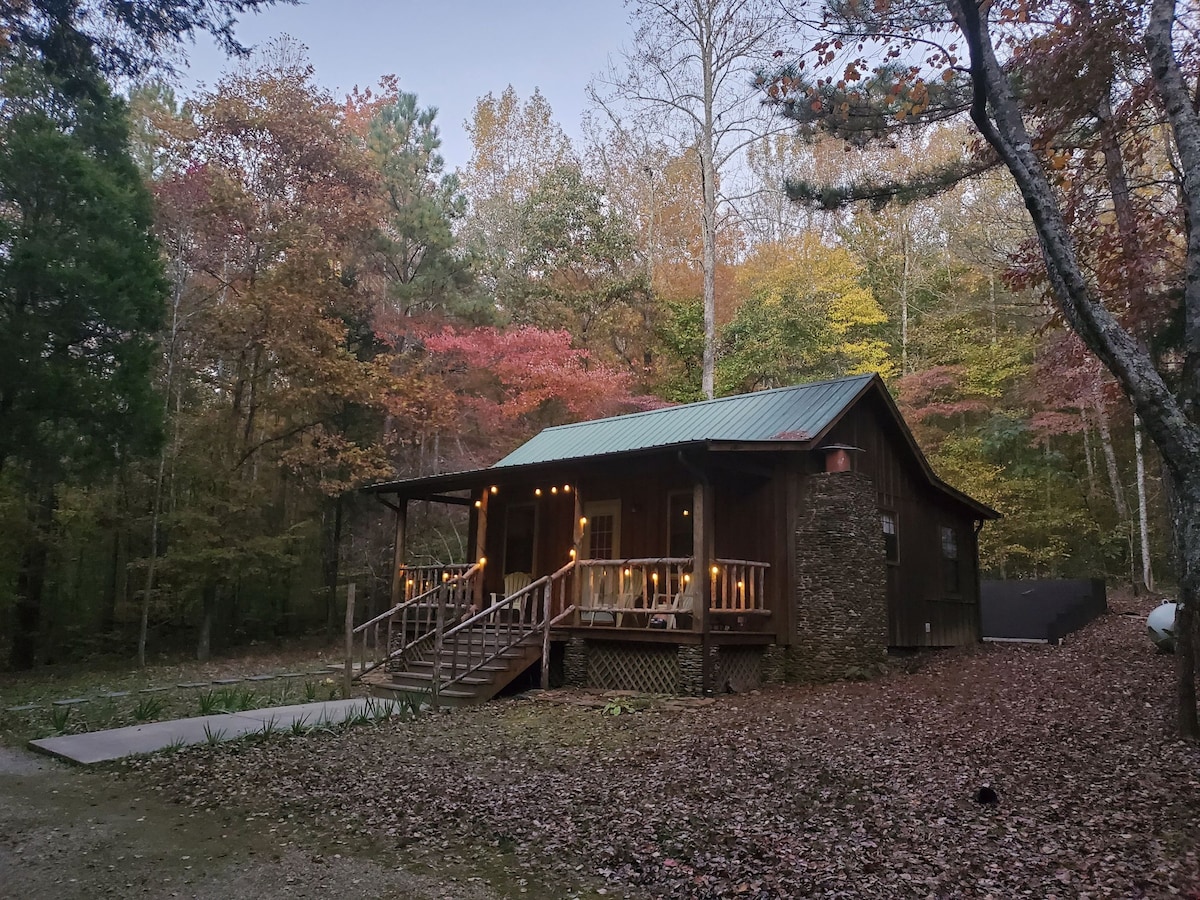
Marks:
<point>951,577</point>
<point>891,540</point>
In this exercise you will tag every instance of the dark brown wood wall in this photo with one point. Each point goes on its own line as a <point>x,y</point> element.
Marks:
<point>916,593</point>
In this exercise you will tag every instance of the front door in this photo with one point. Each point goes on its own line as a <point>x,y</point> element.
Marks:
<point>520,539</point>
<point>601,540</point>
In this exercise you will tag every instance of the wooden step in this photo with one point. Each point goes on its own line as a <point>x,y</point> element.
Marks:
<point>426,677</point>
<point>448,697</point>
<point>427,665</point>
<point>481,685</point>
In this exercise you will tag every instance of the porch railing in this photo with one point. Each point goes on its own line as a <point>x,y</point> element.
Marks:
<point>414,581</point>
<point>657,591</point>
<point>622,593</point>
<point>408,628</point>
<point>737,593</point>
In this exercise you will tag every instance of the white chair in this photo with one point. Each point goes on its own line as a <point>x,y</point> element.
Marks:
<point>513,582</point>
<point>684,604</point>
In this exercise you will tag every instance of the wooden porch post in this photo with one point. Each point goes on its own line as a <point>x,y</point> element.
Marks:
<point>577,546</point>
<point>399,551</point>
<point>481,507</point>
<point>704,551</point>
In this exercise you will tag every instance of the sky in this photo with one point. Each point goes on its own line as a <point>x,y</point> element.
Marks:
<point>448,53</point>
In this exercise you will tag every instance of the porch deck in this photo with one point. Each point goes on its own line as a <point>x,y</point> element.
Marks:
<point>467,644</point>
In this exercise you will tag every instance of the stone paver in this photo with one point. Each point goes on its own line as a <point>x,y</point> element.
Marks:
<point>117,743</point>
<point>72,701</point>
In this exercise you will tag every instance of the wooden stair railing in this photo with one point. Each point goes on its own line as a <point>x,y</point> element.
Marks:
<point>505,631</point>
<point>425,615</point>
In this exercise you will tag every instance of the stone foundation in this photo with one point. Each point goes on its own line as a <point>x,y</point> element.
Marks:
<point>575,663</point>
<point>841,582</point>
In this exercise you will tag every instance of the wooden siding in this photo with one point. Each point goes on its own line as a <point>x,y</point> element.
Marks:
<point>917,599</point>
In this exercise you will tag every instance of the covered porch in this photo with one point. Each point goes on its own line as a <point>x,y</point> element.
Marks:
<point>628,546</point>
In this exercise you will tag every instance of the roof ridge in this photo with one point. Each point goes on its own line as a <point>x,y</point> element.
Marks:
<point>714,401</point>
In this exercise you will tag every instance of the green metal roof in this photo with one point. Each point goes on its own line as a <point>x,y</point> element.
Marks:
<point>797,413</point>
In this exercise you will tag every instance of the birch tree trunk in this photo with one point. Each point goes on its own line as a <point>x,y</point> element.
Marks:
<point>1143,524</point>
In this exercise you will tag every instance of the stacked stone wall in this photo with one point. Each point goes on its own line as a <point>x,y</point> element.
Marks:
<point>841,582</point>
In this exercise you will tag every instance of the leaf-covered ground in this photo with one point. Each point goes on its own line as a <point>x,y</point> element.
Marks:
<point>847,790</point>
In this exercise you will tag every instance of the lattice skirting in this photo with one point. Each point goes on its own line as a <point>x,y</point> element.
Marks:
<point>670,670</point>
<point>632,667</point>
<point>738,669</point>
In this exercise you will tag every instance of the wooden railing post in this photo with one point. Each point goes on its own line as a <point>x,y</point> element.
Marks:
<point>546,637</point>
<point>348,682</point>
<point>438,635</point>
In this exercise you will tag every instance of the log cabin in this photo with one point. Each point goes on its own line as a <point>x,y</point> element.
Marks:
<point>794,534</point>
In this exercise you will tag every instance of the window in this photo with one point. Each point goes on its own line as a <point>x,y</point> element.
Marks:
<point>679,510</point>
<point>891,541</point>
<point>602,533</point>
<point>951,579</point>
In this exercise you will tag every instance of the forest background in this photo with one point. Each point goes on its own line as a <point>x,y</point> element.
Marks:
<point>338,309</point>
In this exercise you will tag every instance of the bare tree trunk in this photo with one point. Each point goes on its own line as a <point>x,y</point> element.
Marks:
<point>331,553</point>
<point>1087,453</point>
<point>209,600</point>
<point>156,510</point>
<point>1143,524</point>
<point>1110,462</point>
<point>708,177</point>
<point>1183,500</point>
<point>904,301</point>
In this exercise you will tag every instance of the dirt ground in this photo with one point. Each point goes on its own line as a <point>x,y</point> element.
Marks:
<point>68,833</point>
<point>848,790</point>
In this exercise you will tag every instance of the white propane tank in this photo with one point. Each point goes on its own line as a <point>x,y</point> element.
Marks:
<point>1160,625</point>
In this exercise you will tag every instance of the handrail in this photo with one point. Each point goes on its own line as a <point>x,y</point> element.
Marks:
<point>400,612</point>
<point>639,561</point>
<point>508,634</point>
<point>397,608</point>
<point>505,603</point>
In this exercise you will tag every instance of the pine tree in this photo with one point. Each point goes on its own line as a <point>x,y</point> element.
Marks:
<point>81,291</point>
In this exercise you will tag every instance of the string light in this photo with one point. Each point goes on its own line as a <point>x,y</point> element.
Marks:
<point>715,570</point>
<point>566,489</point>
<point>495,490</point>
<point>483,560</point>
<point>479,504</point>
<point>537,492</point>
<point>572,553</point>
<point>554,490</point>
<point>583,520</point>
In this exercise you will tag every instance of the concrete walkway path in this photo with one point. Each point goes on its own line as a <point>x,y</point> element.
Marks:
<point>117,743</point>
